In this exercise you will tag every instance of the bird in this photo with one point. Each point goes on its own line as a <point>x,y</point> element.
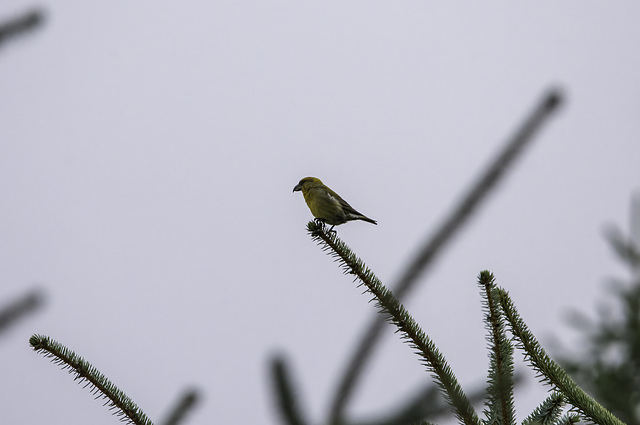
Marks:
<point>326,205</point>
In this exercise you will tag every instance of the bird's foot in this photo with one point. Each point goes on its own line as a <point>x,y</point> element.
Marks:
<point>321,223</point>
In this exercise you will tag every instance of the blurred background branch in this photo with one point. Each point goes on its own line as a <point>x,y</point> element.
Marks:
<point>287,396</point>
<point>20,308</point>
<point>186,403</point>
<point>21,24</point>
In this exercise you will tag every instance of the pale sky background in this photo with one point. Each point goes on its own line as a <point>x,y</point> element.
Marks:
<point>149,150</point>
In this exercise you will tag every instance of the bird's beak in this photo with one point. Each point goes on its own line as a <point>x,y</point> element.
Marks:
<point>297,188</point>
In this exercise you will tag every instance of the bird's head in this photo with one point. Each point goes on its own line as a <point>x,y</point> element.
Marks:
<point>307,183</point>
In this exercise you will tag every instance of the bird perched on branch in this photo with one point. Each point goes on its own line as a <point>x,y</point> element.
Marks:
<point>326,205</point>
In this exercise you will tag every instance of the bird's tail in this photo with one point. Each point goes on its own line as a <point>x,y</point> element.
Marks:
<point>365,218</point>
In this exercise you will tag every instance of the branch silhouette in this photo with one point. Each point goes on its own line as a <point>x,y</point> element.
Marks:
<point>24,306</point>
<point>20,25</point>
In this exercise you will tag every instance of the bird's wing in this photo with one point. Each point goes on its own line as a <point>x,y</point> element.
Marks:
<point>348,209</point>
<point>335,199</point>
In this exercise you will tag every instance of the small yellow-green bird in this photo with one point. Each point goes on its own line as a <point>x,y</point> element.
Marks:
<point>326,205</point>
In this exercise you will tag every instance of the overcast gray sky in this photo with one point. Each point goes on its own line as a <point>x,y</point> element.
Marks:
<point>149,150</point>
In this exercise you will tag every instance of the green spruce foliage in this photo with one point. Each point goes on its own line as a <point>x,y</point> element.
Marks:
<point>500,315</point>
<point>101,387</point>
<point>609,366</point>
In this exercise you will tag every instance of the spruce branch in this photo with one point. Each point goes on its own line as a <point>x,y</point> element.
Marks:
<point>550,372</point>
<point>101,387</point>
<point>608,366</point>
<point>473,198</point>
<point>500,408</point>
<point>569,419</point>
<point>396,313</point>
<point>548,412</point>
